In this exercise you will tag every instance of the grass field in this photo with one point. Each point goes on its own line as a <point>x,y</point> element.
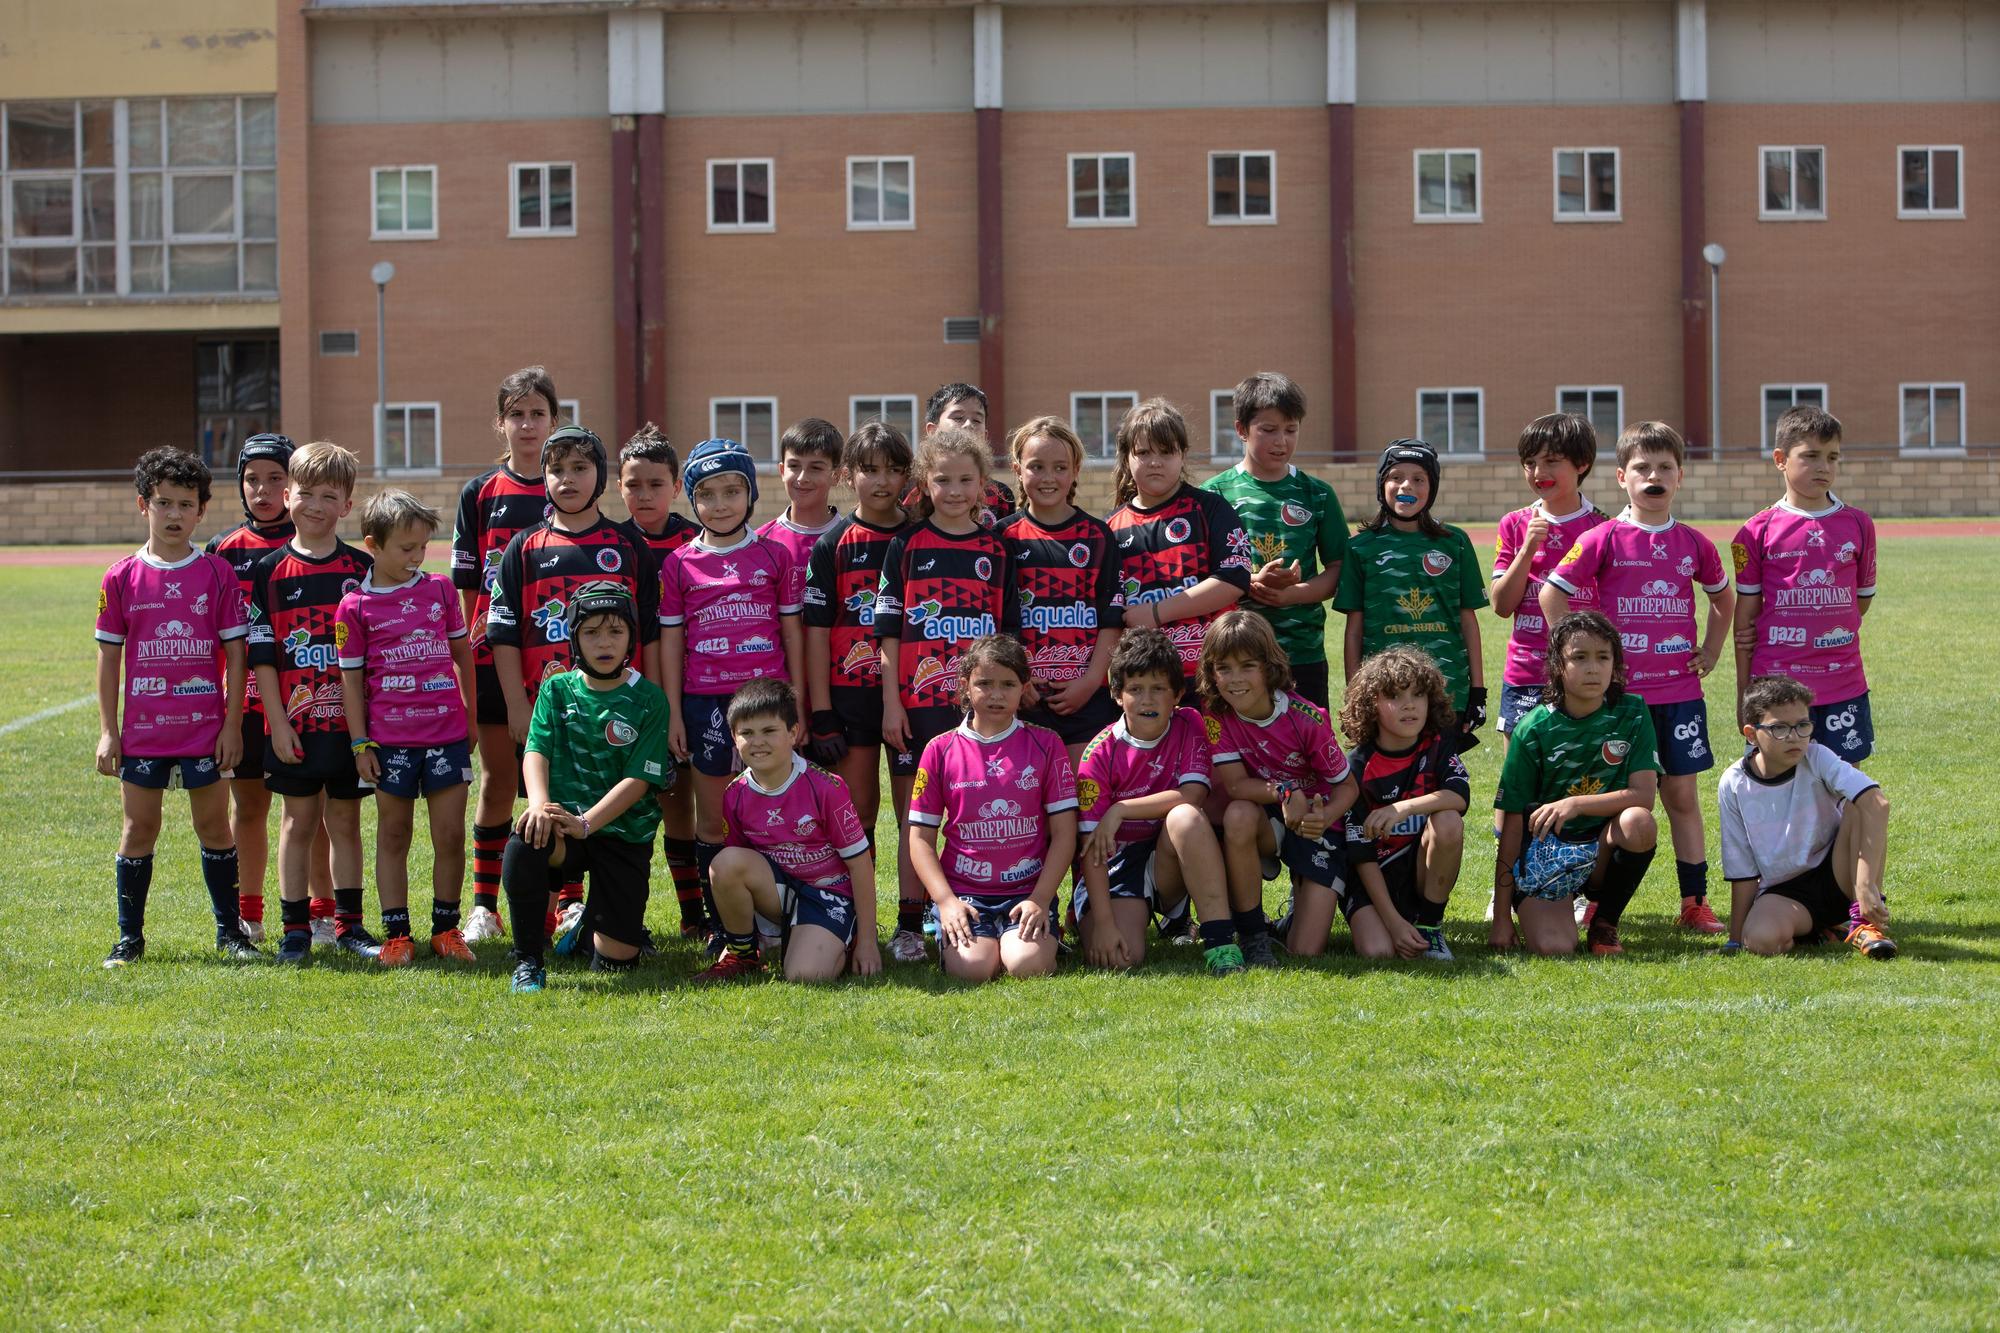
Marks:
<point>1674,1138</point>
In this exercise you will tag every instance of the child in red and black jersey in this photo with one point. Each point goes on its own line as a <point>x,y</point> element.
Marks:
<point>649,481</point>
<point>1071,603</point>
<point>295,651</point>
<point>946,581</point>
<point>1406,830</point>
<point>1183,555</point>
<point>494,506</point>
<point>964,406</point>
<point>843,662</point>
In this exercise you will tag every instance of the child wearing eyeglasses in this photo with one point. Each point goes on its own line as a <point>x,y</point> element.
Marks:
<point>1803,833</point>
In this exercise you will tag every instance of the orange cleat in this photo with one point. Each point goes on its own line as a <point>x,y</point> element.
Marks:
<point>1603,937</point>
<point>397,951</point>
<point>1872,941</point>
<point>1697,916</point>
<point>450,945</point>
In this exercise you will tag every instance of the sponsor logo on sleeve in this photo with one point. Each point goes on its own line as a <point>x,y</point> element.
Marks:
<point>1614,751</point>
<point>1436,563</point>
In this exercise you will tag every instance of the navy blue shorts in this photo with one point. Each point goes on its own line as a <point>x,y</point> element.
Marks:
<point>411,771</point>
<point>991,917</point>
<point>1515,701</point>
<point>164,774</point>
<point>809,905</point>
<point>1847,729</point>
<point>706,720</point>
<point>1129,871</point>
<point>1682,732</point>
<point>1309,862</point>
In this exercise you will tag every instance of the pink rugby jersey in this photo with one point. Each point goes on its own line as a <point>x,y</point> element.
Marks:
<point>1528,644</point>
<point>729,600</point>
<point>1294,744</point>
<point>807,826</point>
<point>1812,570</point>
<point>172,620</point>
<point>993,796</point>
<point>399,638</point>
<point>797,540</point>
<point>1117,766</point>
<point>1644,579</point>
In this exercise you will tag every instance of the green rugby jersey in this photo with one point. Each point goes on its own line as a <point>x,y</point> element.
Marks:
<point>1295,518</point>
<point>595,739</point>
<point>1410,590</point>
<point>1551,755</point>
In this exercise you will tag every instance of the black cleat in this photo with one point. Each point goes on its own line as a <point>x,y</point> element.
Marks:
<point>360,943</point>
<point>296,948</point>
<point>1257,951</point>
<point>234,945</point>
<point>129,949</point>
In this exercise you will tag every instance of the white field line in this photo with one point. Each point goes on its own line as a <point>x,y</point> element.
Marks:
<point>23,723</point>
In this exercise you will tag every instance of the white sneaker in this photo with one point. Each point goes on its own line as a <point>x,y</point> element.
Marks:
<point>323,936</point>
<point>569,928</point>
<point>907,946</point>
<point>252,930</point>
<point>1582,910</point>
<point>482,923</point>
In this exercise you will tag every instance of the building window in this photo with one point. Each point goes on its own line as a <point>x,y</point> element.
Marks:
<point>1100,190</point>
<point>410,442</point>
<point>1602,404</point>
<point>1452,421</point>
<point>405,204</point>
<point>892,409</point>
<point>1791,183</point>
<point>739,194</point>
<point>235,396</point>
<point>1586,185</point>
<point>1778,398</point>
<point>751,422</point>
<point>544,202</point>
<point>881,193</point>
<point>1224,444</point>
<point>139,196</point>
<point>570,412</point>
<point>1242,187</point>
<point>1096,417</point>
<point>1933,416</point>
<point>1930,184</point>
<point>1447,184</point>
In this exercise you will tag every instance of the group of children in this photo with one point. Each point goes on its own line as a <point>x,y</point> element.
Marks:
<point>1140,705</point>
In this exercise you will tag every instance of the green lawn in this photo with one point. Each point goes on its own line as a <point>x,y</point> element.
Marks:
<point>1674,1138</point>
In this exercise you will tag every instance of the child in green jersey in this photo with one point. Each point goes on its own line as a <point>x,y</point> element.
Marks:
<point>596,755</point>
<point>1296,528</point>
<point>1576,791</point>
<point>1410,581</point>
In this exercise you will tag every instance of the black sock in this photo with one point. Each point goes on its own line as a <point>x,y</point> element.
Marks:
<point>1693,877</point>
<point>218,872</point>
<point>744,945</point>
<point>1248,923</point>
<point>909,916</point>
<point>396,922</point>
<point>1429,913</point>
<point>1215,934</point>
<point>704,856</point>
<point>346,910</point>
<point>525,874</point>
<point>135,881</point>
<point>444,915</point>
<point>1621,881</point>
<point>295,916</point>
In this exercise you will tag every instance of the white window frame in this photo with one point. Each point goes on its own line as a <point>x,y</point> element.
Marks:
<point>406,234</point>
<point>741,401</point>
<point>1617,211</point>
<point>1795,213</point>
<point>1605,448</point>
<point>1444,449</point>
<point>1224,444</point>
<point>514,227</point>
<point>1417,156</point>
<point>570,411</point>
<point>770,166</point>
<point>1069,188</point>
<point>855,417</point>
<point>1930,450</point>
<point>432,469</point>
<point>1110,441</point>
<point>1931,149</point>
<point>1792,387</point>
<point>1241,220</point>
<point>880,195</point>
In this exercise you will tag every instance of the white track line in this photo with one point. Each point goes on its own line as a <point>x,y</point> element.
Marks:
<point>23,723</point>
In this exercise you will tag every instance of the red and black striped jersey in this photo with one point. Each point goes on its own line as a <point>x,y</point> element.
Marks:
<point>678,533</point>
<point>843,579</point>
<point>1387,776</point>
<point>493,507</point>
<point>293,601</point>
<point>1069,589</point>
<point>1170,548</point>
<point>940,591</point>
<point>996,504</point>
<point>243,546</point>
<point>539,570</point>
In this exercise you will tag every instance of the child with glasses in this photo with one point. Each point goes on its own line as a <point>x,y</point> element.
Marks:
<point>1803,833</point>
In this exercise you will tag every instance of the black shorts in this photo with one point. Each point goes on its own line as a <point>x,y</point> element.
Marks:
<point>1310,862</point>
<point>325,764</point>
<point>489,703</point>
<point>251,765</point>
<point>1080,727</point>
<point>1310,681</point>
<point>1819,893</point>
<point>926,725</point>
<point>860,713</point>
<point>1399,877</point>
<point>619,884</point>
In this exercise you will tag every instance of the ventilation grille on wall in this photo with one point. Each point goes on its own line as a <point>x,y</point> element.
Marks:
<point>339,342</point>
<point>961,329</point>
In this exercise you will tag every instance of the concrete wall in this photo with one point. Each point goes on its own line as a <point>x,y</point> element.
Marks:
<point>133,48</point>
<point>1165,56</point>
<point>1454,54</point>
<point>798,63</point>
<point>1796,51</point>
<point>485,70</point>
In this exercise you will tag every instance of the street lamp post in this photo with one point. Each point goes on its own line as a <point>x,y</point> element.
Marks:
<point>1714,254</point>
<point>380,275</point>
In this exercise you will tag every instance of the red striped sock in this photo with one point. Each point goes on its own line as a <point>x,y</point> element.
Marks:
<point>488,842</point>
<point>250,906</point>
<point>322,909</point>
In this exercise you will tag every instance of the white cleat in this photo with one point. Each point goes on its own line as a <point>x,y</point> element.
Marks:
<point>907,946</point>
<point>482,923</point>
<point>252,930</point>
<point>323,936</point>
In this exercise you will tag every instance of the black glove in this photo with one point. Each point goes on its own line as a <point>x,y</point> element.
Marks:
<point>829,741</point>
<point>1475,709</point>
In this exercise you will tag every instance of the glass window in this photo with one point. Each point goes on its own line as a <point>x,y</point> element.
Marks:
<point>544,199</point>
<point>1096,417</point>
<point>751,422</point>
<point>1793,183</point>
<point>1933,416</point>
<point>880,193</point>
<point>236,395</point>
<point>41,136</point>
<point>1603,405</point>
<point>898,410</point>
<point>405,203</point>
<point>1778,398</point>
<point>1452,420</point>
<point>1447,184</point>
<point>739,196</point>
<point>410,439</point>
<point>201,132</point>
<point>1223,441</point>
<point>1586,184</point>
<point>204,206</point>
<point>1241,187</point>
<point>1930,184</point>
<point>1100,190</point>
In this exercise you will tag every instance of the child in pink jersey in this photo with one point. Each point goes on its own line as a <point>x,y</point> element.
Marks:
<point>1282,782</point>
<point>406,664</point>
<point>1004,795</point>
<point>170,621</point>
<point>808,460</point>
<point>1643,570</point>
<point>797,859</point>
